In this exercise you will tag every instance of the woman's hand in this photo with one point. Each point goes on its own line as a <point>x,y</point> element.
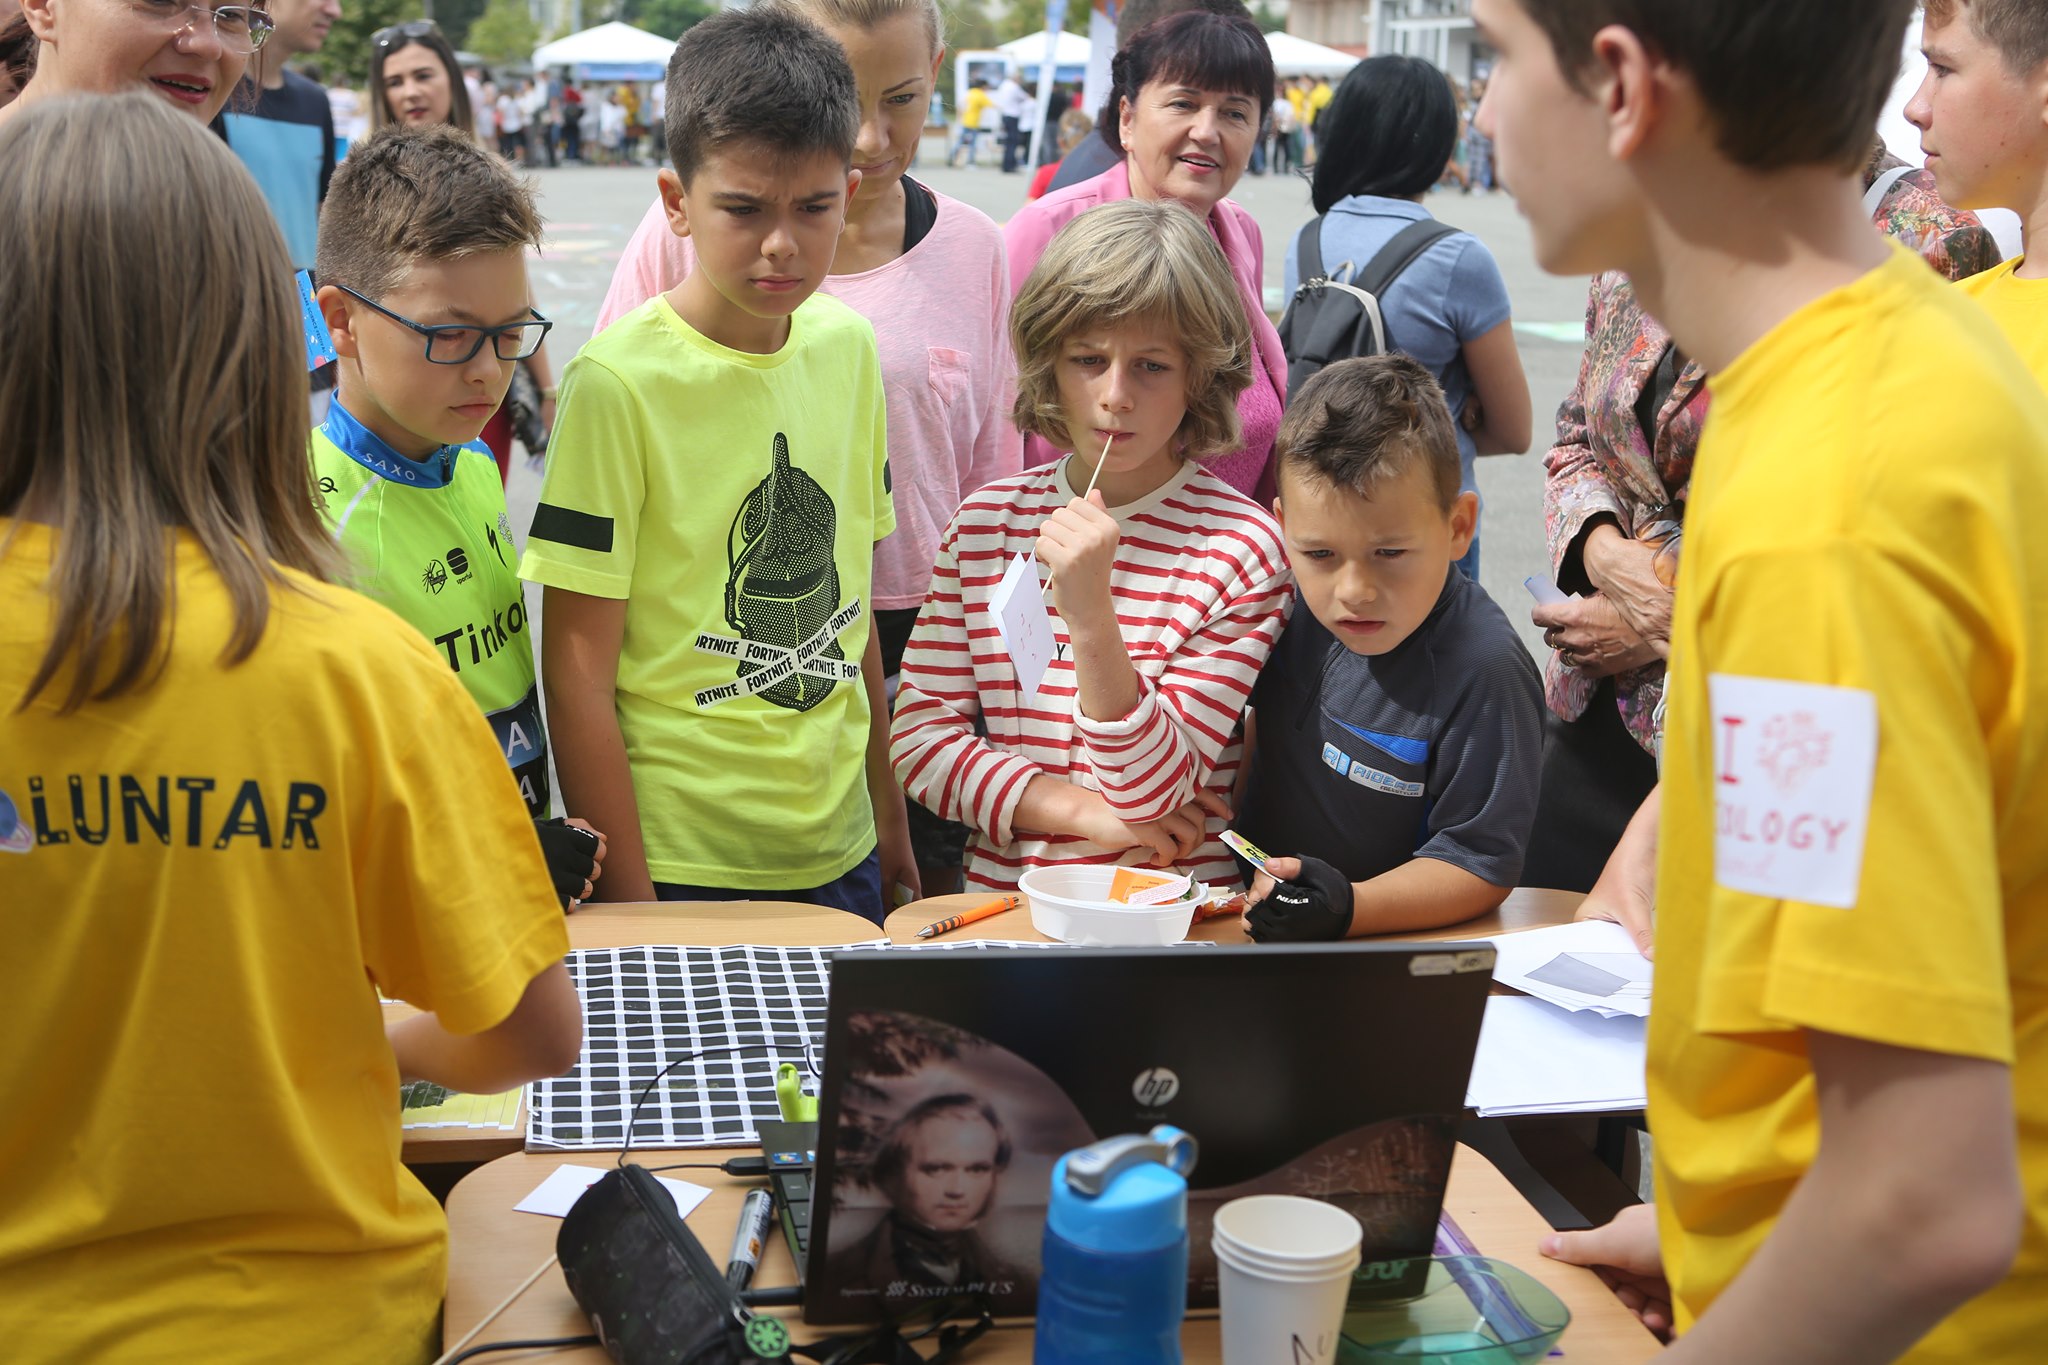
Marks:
<point>1590,634</point>
<point>1625,572</point>
<point>1078,545</point>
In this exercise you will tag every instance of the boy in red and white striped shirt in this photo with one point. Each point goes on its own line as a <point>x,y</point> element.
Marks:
<point>1168,587</point>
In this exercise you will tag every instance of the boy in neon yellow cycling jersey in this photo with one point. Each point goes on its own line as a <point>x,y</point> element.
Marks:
<point>423,286</point>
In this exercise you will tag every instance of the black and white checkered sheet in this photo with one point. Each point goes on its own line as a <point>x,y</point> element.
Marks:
<point>746,1009</point>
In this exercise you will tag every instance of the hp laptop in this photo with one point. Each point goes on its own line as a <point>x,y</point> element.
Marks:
<point>953,1081</point>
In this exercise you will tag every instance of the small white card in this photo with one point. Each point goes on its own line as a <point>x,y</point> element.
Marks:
<point>1024,621</point>
<point>566,1185</point>
<point>1794,764</point>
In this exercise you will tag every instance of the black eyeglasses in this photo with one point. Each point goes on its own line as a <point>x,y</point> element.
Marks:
<point>398,35</point>
<point>455,344</point>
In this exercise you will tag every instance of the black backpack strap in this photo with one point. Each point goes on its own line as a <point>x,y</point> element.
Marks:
<point>1400,253</point>
<point>1308,251</point>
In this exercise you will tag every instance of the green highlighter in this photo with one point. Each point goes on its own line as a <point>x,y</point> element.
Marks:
<point>797,1107</point>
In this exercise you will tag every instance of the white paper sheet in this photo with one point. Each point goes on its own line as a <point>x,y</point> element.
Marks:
<point>1024,621</point>
<point>1536,1059</point>
<point>566,1184</point>
<point>1585,965</point>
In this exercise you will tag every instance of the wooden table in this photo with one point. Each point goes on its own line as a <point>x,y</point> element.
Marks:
<point>493,1248</point>
<point>1528,908</point>
<point>698,923</point>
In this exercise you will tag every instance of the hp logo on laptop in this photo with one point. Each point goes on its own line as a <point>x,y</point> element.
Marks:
<point>1155,1087</point>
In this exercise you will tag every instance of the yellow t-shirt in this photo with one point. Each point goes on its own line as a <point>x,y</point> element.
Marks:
<point>734,501</point>
<point>1863,610</point>
<point>2020,308</point>
<point>978,102</point>
<point>201,884</point>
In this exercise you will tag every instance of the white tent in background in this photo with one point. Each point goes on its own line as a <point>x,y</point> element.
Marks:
<point>609,52</point>
<point>1027,52</point>
<point>1294,56</point>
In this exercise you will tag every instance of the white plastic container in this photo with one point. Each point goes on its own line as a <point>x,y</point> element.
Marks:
<point>1069,904</point>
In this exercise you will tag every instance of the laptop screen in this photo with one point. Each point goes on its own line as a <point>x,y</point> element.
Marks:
<point>953,1082</point>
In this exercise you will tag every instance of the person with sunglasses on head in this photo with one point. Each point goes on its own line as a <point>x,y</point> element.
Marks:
<point>416,82</point>
<point>423,287</point>
<point>189,54</point>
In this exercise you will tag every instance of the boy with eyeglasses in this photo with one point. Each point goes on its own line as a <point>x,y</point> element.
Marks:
<point>422,271</point>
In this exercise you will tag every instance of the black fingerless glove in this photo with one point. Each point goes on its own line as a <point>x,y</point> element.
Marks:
<point>1313,907</point>
<point>571,856</point>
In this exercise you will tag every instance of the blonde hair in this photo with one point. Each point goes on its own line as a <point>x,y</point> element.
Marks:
<point>865,15</point>
<point>152,379</point>
<point>1135,261</point>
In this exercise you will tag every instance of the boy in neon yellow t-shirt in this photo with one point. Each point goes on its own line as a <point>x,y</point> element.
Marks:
<point>1848,1055</point>
<point>716,483</point>
<point>1982,113</point>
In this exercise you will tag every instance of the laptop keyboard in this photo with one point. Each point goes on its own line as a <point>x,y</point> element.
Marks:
<point>791,1150</point>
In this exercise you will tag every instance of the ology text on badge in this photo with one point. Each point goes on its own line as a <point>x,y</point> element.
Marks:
<point>1793,768</point>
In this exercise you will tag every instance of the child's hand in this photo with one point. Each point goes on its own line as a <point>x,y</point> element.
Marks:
<point>1299,900</point>
<point>574,853</point>
<point>1078,544</point>
<point>1626,1256</point>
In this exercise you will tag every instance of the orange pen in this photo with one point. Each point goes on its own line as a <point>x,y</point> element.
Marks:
<point>994,907</point>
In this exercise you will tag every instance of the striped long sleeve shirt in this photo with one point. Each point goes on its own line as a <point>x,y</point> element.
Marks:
<point>1201,590</point>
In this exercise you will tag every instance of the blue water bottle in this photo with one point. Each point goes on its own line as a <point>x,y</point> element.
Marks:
<point>1115,1281</point>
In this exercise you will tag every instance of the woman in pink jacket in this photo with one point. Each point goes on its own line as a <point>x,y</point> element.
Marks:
<point>1190,92</point>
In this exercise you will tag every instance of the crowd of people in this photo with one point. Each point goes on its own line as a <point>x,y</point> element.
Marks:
<point>266,685</point>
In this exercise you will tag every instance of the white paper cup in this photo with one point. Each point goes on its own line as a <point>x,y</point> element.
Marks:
<point>1283,1267</point>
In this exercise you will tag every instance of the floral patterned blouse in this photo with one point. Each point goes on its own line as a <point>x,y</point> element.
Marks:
<point>1605,464</point>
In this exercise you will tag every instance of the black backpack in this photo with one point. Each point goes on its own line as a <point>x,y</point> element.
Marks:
<point>1331,319</point>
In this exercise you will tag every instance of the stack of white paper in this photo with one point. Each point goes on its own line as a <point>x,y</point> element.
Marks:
<point>1586,965</point>
<point>1536,1059</point>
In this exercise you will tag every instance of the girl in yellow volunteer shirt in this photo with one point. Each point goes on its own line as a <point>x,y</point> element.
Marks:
<point>234,802</point>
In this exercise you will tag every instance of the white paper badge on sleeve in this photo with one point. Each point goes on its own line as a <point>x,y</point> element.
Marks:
<point>1794,764</point>
<point>1024,621</point>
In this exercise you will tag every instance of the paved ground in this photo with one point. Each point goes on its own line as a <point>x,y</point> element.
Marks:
<point>591,212</point>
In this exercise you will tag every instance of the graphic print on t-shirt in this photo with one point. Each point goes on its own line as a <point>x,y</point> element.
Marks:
<point>782,594</point>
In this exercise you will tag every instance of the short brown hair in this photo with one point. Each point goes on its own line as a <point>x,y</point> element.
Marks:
<point>1135,260</point>
<point>2017,28</point>
<point>1787,82</point>
<point>767,79</point>
<point>419,194</point>
<point>1360,422</point>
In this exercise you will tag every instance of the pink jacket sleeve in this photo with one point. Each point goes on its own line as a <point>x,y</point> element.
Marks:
<point>656,261</point>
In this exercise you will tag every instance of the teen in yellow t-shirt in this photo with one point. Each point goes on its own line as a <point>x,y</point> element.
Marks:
<point>1848,1062</point>
<point>1862,579</point>
<point>217,848</point>
<point>1982,111</point>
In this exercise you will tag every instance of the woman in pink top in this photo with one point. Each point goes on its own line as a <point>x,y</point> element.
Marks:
<point>1191,91</point>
